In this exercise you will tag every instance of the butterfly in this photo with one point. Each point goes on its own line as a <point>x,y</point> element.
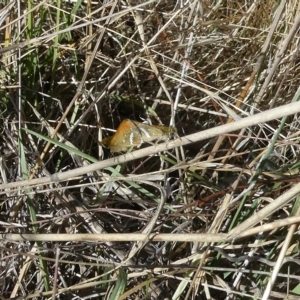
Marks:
<point>133,134</point>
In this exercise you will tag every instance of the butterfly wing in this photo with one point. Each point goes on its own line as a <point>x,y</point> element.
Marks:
<point>124,138</point>
<point>151,133</point>
<point>133,134</point>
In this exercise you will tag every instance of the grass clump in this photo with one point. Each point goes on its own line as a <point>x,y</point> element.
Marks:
<point>195,218</point>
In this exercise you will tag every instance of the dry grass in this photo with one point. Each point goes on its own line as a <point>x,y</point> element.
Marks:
<point>206,218</point>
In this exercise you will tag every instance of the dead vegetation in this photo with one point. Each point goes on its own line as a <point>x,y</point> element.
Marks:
<point>197,218</point>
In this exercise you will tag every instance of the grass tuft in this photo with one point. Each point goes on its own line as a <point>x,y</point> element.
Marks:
<point>71,71</point>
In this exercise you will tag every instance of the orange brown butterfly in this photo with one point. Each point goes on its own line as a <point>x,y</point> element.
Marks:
<point>133,134</point>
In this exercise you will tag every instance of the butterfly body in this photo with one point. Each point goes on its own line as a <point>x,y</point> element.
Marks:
<point>133,134</point>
